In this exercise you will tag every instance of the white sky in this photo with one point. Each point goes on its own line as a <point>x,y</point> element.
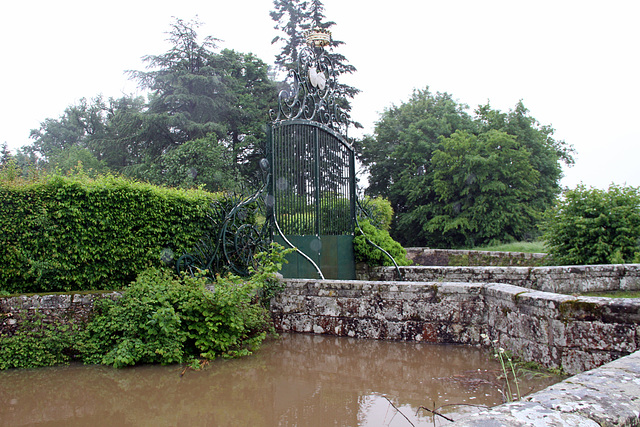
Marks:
<point>574,63</point>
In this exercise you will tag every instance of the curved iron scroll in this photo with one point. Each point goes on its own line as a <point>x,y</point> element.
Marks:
<point>364,212</point>
<point>313,91</point>
<point>238,237</point>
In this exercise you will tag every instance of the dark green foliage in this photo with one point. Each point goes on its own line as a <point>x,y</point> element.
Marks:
<point>160,318</point>
<point>546,153</point>
<point>37,343</point>
<point>593,226</point>
<point>455,180</point>
<point>372,256</point>
<point>197,92</point>
<point>75,233</point>
<point>201,163</point>
<point>485,187</point>
<point>165,319</point>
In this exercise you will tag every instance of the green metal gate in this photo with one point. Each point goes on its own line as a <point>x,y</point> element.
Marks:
<point>313,197</point>
<point>309,181</point>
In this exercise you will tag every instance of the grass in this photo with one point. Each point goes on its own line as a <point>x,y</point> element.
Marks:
<point>528,247</point>
<point>613,294</point>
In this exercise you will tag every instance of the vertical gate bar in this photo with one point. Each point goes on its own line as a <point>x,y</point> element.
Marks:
<point>316,141</point>
<point>302,156</point>
<point>343,190</point>
<point>303,165</point>
<point>352,183</point>
<point>287,178</point>
<point>295,179</point>
<point>284,175</point>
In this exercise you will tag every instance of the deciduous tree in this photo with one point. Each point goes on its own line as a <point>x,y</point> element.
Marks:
<point>457,180</point>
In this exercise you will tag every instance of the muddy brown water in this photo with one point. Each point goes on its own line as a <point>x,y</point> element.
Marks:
<point>297,380</point>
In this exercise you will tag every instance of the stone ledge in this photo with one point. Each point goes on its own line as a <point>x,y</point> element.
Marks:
<point>605,396</point>
<point>560,279</point>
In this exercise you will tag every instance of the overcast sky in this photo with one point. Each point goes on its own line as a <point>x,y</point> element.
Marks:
<point>575,64</point>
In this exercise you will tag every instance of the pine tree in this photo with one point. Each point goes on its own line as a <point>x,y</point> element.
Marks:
<point>293,18</point>
<point>5,154</point>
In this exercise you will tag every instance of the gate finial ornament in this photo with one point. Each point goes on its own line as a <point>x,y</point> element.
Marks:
<point>313,88</point>
<point>318,37</point>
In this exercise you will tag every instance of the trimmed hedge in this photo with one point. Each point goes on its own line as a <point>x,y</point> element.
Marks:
<point>62,233</point>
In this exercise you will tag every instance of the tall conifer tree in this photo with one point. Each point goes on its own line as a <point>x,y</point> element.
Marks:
<point>293,18</point>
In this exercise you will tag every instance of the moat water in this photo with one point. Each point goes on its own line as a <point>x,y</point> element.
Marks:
<point>297,380</point>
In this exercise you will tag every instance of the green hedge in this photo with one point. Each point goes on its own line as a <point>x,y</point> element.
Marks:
<point>62,233</point>
<point>594,226</point>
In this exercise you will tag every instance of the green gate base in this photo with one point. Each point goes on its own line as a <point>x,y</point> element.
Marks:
<point>333,254</point>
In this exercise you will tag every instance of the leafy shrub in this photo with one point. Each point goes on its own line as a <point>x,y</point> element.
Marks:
<point>378,210</point>
<point>593,226</point>
<point>160,318</point>
<point>36,343</point>
<point>63,233</point>
<point>369,254</point>
<point>164,319</point>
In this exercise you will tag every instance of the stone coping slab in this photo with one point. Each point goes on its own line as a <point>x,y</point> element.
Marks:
<point>605,396</point>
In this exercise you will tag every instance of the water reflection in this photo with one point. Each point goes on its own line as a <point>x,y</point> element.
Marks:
<point>303,380</point>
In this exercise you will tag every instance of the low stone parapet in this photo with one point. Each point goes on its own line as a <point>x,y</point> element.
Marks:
<point>557,331</point>
<point>445,257</point>
<point>560,279</point>
<point>53,307</point>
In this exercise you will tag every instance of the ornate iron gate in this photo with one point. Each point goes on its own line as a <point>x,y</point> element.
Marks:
<point>310,182</point>
<point>312,191</point>
<point>313,194</point>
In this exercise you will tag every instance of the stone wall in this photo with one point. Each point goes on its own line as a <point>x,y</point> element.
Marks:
<point>564,279</point>
<point>54,307</point>
<point>444,257</point>
<point>557,331</point>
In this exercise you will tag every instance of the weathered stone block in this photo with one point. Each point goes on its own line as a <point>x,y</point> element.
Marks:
<point>574,361</point>
<point>600,336</point>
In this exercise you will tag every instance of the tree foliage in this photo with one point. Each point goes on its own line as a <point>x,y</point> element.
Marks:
<point>484,186</point>
<point>195,92</point>
<point>593,226</point>
<point>5,154</point>
<point>203,162</point>
<point>547,154</point>
<point>456,180</point>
